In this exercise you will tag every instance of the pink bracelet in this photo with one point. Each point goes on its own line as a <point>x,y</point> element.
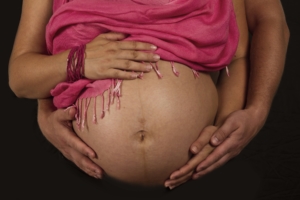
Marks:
<point>75,63</point>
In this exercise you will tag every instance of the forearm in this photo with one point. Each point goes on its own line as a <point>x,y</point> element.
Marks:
<point>270,36</point>
<point>35,74</point>
<point>45,107</point>
<point>232,90</point>
<point>268,50</point>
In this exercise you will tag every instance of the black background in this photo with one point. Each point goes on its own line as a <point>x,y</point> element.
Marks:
<point>269,167</point>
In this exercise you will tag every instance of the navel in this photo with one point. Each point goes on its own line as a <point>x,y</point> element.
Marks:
<point>141,135</point>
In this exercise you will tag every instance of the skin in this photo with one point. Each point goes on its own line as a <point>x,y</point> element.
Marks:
<point>262,87</point>
<point>30,64</point>
<point>270,36</point>
<point>54,124</point>
<point>57,129</point>
<point>29,54</point>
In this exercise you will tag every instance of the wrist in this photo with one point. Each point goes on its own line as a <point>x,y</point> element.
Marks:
<point>45,106</point>
<point>258,112</point>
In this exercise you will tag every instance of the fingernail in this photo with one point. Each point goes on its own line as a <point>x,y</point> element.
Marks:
<point>156,57</point>
<point>149,67</point>
<point>91,156</point>
<point>153,47</point>
<point>194,149</point>
<point>134,75</point>
<point>171,187</point>
<point>96,177</point>
<point>200,168</point>
<point>196,177</point>
<point>99,176</point>
<point>68,108</point>
<point>215,140</point>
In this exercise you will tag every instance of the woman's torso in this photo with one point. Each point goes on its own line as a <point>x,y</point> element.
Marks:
<point>150,135</point>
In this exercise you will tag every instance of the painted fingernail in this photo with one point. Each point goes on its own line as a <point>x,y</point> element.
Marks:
<point>156,57</point>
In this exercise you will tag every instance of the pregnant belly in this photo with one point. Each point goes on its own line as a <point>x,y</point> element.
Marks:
<point>149,136</point>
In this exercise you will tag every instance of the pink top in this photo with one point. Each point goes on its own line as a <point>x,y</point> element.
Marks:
<point>201,34</point>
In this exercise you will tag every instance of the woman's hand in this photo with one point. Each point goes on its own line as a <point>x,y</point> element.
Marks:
<point>108,57</point>
<point>186,172</point>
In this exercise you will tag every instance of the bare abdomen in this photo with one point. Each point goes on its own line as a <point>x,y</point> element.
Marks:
<point>149,137</point>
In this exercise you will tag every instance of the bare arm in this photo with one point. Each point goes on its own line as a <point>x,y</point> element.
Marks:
<point>29,65</point>
<point>33,73</point>
<point>231,95</point>
<point>270,36</point>
<point>232,89</point>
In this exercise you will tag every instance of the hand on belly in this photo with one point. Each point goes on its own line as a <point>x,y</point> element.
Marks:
<point>149,137</point>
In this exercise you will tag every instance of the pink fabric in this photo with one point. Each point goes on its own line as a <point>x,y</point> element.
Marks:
<point>201,34</point>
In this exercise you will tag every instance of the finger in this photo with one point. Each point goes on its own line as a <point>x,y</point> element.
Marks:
<point>137,56</point>
<point>227,128</point>
<point>120,74</point>
<point>130,66</point>
<point>106,38</point>
<point>112,36</point>
<point>77,144</point>
<point>87,165</point>
<point>192,163</point>
<point>71,112</point>
<point>67,114</point>
<point>121,69</point>
<point>203,139</point>
<point>134,45</point>
<point>215,156</point>
<point>176,182</point>
<point>127,70</point>
<point>216,165</point>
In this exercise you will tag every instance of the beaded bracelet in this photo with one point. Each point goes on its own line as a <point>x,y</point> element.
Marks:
<point>75,63</point>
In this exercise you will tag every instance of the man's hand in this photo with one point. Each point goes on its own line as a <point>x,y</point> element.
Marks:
<point>215,146</point>
<point>239,128</point>
<point>185,173</point>
<point>56,127</point>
